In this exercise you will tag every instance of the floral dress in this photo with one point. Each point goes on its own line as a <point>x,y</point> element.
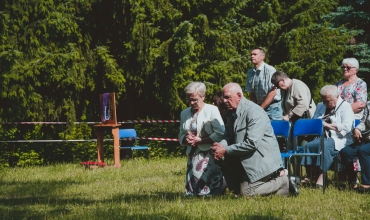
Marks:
<point>355,92</point>
<point>203,176</point>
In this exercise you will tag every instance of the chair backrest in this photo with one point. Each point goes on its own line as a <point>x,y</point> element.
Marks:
<point>127,133</point>
<point>357,121</point>
<point>308,127</point>
<point>281,128</point>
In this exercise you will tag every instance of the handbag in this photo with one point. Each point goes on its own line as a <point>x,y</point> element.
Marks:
<point>307,113</point>
<point>206,130</point>
<point>365,133</point>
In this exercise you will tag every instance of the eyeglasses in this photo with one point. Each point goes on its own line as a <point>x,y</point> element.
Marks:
<point>347,67</point>
<point>277,83</point>
<point>192,100</point>
<point>225,97</point>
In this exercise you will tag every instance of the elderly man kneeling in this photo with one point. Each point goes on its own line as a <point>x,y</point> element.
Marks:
<point>338,120</point>
<point>249,155</point>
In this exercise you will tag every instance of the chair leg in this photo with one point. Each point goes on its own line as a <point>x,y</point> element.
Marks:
<point>336,172</point>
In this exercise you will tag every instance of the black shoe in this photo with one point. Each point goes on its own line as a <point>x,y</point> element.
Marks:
<point>363,190</point>
<point>293,185</point>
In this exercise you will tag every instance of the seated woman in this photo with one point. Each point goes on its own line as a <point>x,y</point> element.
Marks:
<point>352,89</point>
<point>361,149</point>
<point>338,120</point>
<point>296,96</point>
<point>201,125</point>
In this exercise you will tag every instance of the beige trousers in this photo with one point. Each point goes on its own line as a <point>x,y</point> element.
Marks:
<point>266,186</point>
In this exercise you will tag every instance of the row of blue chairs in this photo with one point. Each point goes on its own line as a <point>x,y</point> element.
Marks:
<point>302,127</point>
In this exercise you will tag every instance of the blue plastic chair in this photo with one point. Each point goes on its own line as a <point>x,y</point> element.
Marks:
<point>307,127</point>
<point>357,122</point>
<point>282,129</point>
<point>131,134</point>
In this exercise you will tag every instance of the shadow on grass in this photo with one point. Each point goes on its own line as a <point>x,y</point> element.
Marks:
<point>45,199</point>
<point>21,189</point>
<point>53,205</point>
<point>181,216</point>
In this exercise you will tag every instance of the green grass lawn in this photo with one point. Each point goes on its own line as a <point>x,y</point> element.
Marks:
<point>153,189</point>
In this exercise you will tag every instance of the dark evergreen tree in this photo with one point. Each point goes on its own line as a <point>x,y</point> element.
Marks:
<point>354,16</point>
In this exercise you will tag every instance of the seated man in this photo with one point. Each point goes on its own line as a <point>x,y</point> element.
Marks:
<point>338,120</point>
<point>249,155</point>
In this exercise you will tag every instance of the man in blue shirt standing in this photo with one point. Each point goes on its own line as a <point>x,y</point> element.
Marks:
<point>260,88</point>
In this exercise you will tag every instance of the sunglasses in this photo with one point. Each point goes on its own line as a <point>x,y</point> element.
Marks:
<point>347,67</point>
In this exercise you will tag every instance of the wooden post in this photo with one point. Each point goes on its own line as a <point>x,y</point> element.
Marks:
<point>116,149</point>
<point>100,145</point>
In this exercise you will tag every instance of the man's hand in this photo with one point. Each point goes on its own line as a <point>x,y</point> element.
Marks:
<point>269,98</point>
<point>357,135</point>
<point>218,151</point>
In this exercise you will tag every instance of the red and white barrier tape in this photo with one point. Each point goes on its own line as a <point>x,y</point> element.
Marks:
<point>47,123</point>
<point>126,139</point>
<point>63,123</point>
<point>45,141</point>
<point>149,121</point>
<point>158,139</point>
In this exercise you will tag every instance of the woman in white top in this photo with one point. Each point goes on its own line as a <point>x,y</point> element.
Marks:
<point>201,125</point>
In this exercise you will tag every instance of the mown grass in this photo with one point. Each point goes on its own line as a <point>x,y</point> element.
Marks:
<point>153,189</point>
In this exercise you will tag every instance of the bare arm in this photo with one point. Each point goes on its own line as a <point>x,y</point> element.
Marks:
<point>331,126</point>
<point>358,106</point>
<point>269,98</point>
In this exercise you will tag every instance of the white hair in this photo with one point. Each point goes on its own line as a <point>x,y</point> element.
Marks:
<point>234,87</point>
<point>196,87</point>
<point>351,61</point>
<point>329,90</point>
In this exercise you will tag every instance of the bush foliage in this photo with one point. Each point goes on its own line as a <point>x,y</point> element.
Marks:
<point>56,57</point>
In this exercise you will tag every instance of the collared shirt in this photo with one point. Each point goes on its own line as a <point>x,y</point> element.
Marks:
<point>259,82</point>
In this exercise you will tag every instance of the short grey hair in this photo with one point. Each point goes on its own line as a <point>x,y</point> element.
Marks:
<point>277,76</point>
<point>262,51</point>
<point>351,61</point>
<point>234,87</point>
<point>329,90</point>
<point>196,87</point>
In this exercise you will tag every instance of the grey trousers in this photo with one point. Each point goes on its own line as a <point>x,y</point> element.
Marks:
<point>266,186</point>
<point>237,180</point>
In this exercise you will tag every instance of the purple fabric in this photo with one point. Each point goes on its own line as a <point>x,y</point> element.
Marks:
<point>105,108</point>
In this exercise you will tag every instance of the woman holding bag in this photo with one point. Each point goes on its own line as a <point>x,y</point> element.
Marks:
<point>201,125</point>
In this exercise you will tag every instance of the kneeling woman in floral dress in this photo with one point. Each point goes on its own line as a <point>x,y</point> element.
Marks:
<point>201,125</point>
